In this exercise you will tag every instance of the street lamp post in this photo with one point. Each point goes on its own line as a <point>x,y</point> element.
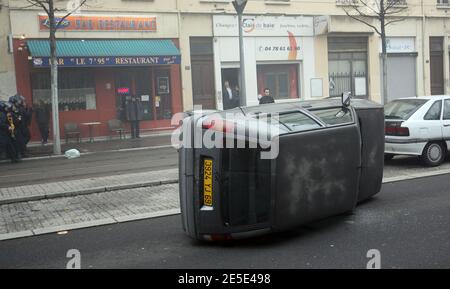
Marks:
<point>239,6</point>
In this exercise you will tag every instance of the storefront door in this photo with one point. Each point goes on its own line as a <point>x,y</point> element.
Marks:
<point>151,85</point>
<point>437,65</point>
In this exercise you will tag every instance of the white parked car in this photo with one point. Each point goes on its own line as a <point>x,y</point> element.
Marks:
<point>418,126</point>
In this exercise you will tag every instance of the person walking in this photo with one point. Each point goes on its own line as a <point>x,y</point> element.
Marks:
<point>266,98</point>
<point>134,114</point>
<point>43,120</point>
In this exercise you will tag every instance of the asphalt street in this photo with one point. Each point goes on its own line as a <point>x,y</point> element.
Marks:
<point>139,160</point>
<point>87,166</point>
<point>408,222</point>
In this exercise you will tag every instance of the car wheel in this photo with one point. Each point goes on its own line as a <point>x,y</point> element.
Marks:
<point>388,157</point>
<point>433,154</point>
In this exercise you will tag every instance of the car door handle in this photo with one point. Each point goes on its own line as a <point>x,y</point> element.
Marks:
<point>446,125</point>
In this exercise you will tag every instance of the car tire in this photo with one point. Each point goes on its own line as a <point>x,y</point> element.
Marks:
<point>433,154</point>
<point>388,157</point>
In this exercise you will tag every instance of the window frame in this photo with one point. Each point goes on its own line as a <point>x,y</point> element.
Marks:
<point>65,83</point>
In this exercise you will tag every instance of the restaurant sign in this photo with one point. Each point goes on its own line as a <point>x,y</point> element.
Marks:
<point>107,61</point>
<point>101,23</point>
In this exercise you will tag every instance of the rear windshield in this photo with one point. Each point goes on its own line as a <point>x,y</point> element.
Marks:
<point>402,108</point>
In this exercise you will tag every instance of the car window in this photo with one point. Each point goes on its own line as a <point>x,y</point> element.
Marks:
<point>434,113</point>
<point>296,121</point>
<point>447,109</point>
<point>333,116</point>
<point>402,108</point>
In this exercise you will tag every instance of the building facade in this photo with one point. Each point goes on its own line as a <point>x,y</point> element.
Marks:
<point>7,72</point>
<point>175,54</point>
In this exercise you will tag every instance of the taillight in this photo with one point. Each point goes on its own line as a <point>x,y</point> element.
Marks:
<point>395,129</point>
<point>218,124</point>
<point>402,131</point>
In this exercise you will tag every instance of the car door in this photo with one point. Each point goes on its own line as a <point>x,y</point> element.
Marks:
<point>431,126</point>
<point>446,122</point>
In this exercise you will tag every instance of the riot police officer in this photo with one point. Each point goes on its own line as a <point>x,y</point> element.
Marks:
<point>7,132</point>
<point>22,118</point>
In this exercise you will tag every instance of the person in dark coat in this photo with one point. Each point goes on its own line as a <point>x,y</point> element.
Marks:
<point>43,119</point>
<point>7,132</point>
<point>20,131</point>
<point>134,114</point>
<point>27,115</point>
<point>230,96</point>
<point>266,97</point>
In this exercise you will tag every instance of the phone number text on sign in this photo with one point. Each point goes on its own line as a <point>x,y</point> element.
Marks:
<point>279,48</point>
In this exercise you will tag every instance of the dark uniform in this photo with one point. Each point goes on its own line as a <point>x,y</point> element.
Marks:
<point>7,135</point>
<point>22,118</point>
<point>134,114</point>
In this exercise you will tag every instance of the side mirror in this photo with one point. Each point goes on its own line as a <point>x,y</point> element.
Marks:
<point>345,98</point>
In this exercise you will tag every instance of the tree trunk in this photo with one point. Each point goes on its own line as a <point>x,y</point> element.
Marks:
<point>54,80</point>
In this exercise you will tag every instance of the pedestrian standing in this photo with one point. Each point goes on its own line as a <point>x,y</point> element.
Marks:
<point>27,115</point>
<point>43,120</point>
<point>19,124</point>
<point>7,132</point>
<point>230,96</point>
<point>266,98</point>
<point>134,114</point>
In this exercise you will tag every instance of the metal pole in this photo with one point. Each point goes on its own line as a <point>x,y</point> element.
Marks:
<point>242,95</point>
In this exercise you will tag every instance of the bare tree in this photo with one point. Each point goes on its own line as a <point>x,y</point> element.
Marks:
<point>384,12</point>
<point>54,24</point>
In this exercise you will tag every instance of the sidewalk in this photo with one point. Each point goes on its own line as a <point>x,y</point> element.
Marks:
<point>62,206</point>
<point>86,186</point>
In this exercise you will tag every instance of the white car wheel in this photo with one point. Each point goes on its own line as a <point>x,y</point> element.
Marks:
<point>433,154</point>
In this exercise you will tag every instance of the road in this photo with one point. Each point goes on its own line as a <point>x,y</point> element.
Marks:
<point>87,166</point>
<point>408,222</point>
<point>140,160</point>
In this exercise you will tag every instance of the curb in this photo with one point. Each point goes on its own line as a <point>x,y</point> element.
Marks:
<point>415,176</point>
<point>87,191</point>
<point>91,153</point>
<point>88,224</point>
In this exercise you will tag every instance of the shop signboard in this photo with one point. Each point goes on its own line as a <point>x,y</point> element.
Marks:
<point>101,23</point>
<point>108,61</point>
<point>400,45</point>
<point>227,25</point>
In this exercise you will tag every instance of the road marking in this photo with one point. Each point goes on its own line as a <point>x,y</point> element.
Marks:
<point>415,176</point>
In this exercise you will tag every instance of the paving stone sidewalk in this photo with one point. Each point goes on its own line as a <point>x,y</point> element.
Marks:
<point>61,214</point>
<point>86,186</point>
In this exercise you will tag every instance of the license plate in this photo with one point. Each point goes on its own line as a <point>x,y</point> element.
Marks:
<point>207,183</point>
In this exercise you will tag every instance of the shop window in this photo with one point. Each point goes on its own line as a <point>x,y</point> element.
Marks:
<point>281,79</point>
<point>347,72</point>
<point>76,89</point>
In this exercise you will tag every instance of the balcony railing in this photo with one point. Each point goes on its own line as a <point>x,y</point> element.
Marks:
<point>397,2</point>
<point>346,2</point>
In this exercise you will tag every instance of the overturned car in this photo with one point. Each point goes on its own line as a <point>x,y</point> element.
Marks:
<point>253,170</point>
